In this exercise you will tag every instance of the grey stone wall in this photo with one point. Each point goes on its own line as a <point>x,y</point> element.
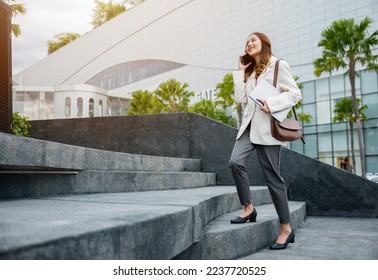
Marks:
<point>183,135</point>
<point>327,190</point>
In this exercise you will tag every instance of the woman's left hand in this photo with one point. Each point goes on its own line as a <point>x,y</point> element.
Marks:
<point>265,107</point>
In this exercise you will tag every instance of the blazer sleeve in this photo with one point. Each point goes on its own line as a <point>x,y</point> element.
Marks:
<point>291,94</point>
<point>240,93</point>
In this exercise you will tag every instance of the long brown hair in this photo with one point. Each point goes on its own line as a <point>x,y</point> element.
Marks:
<point>265,55</point>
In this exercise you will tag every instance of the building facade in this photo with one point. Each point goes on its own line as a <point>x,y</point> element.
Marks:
<point>198,42</point>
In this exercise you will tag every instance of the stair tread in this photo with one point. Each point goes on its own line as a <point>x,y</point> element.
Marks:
<point>265,213</point>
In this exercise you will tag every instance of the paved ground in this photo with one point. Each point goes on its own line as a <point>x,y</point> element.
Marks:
<point>329,238</point>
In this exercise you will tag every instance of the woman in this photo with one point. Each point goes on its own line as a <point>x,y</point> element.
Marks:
<point>255,133</point>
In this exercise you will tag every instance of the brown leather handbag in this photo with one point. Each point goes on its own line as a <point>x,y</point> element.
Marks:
<point>288,129</point>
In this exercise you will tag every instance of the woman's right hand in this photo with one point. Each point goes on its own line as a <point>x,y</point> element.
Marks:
<point>241,66</point>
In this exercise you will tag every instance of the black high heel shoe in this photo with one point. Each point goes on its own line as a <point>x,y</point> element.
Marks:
<point>251,217</point>
<point>278,246</point>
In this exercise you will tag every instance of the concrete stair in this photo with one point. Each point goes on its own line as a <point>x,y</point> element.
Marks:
<point>60,201</point>
<point>222,240</point>
<point>133,225</point>
<point>34,168</point>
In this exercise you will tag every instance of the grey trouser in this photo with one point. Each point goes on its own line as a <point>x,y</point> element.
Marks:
<point>269,158</point>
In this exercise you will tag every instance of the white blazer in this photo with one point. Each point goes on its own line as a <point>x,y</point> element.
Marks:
<point>260,132</point>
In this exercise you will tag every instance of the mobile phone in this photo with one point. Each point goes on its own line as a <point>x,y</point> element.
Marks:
<point>245,59</point>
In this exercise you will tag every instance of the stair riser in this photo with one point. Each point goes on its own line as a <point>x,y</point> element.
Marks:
<point>18,186</point>
<point>27,152</point>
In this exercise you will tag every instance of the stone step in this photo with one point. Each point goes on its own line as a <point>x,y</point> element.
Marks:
<point>223,240</point>
<point>28,154</point>
<point>98,181</point>
<point>135,225</point>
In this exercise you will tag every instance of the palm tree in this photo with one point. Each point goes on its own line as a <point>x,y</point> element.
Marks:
<point>225,92</point>
<point>62,39</point>
<point>344,113</point>
<point>144,102</point>
<point>301,116</point>
<point>16,10</point>
<point>104,12</point>
<point>174,96</point>
<point>345,44</point>
<point>209,109</point>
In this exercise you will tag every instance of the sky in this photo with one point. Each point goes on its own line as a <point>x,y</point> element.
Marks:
<point>43,20</point>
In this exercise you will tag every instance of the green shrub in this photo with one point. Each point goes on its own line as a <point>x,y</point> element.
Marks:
<point>20,125</point>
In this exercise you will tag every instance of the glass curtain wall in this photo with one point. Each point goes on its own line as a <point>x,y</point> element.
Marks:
<point>331,142</point>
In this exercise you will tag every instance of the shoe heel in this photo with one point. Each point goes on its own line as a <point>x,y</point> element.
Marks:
<point>292,240</point>
<point>253,219</point>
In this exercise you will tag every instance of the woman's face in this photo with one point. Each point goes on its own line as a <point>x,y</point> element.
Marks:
<point>253,46</point>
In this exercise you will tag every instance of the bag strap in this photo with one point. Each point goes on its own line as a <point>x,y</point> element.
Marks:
<point>275,77</point>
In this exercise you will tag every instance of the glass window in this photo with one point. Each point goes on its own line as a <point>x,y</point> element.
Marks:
<point>370,123</point>
<point>310,110</point>
<point>372,164</point>
<point>322,89</point>
<point>325,144</point>
<point>79,107</point>
<point>324,128</point>
<point>50,103</point>
<point>337,86</point>
<point>372,101</point>
<point>20,96</point>
<point>369,82</point>
<point>340,144</point>
<point>309,129</point>
<point>91,107</point>
<point>131,72</point>
<point>67,107</point>
<point>100,108</point>
<point>371,143</point>
<point>333,106</point>
<point>327,160</point>
<point>109,110</point>
<point>339,126</point>
<point>311,147</point>
<point>308,92</point>
<point>323,112</point>
<point>297,146</point>
<point>32,104</point>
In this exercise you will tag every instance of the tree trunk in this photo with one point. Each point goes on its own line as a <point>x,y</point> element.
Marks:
<point>352,78</point>
<point>352,148</point>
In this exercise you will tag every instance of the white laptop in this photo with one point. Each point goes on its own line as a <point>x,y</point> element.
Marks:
<point>264,90</point>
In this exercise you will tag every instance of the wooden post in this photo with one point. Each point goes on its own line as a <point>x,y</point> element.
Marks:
<point>5,68</point>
